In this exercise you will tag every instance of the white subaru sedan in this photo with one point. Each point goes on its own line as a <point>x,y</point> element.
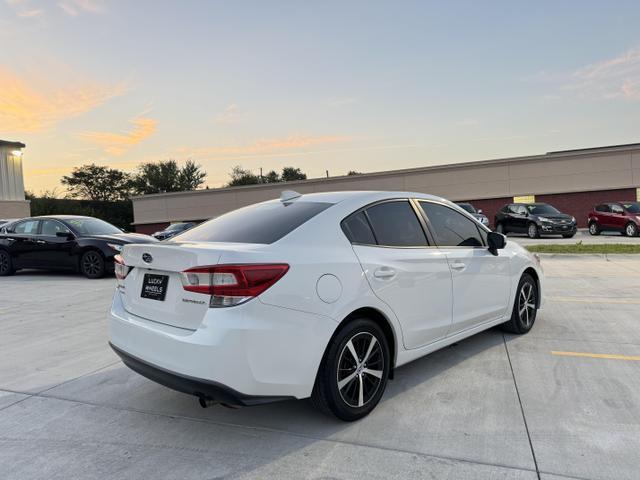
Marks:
<point>320,295</point>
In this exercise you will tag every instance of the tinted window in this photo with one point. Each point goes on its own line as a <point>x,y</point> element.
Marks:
<point>395,225</point>
<point>357,229</point>
<point>28,227</point>
<point>260,223</point>
<point>52,227</point>
<point>92,226</point>
<point>602,208</point>
<point>451,228</point>
<point>467,207</point>
<point>632,207</point>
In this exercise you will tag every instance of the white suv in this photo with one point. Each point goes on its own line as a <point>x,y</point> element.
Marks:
<point>319,295</point>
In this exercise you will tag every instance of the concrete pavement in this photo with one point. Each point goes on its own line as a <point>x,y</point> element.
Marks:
<point>492,406</point>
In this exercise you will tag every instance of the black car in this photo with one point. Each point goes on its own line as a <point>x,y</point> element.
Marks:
<point>173,230</point>
<point>477,214</point>
<point>534,219</point>
<point>83,244</point>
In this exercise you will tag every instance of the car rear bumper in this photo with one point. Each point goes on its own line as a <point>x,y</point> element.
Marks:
<point>236,353</point>
<point>199,387</point>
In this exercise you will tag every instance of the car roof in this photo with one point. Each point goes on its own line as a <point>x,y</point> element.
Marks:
<point>361,196</point>
<point>62,217</point>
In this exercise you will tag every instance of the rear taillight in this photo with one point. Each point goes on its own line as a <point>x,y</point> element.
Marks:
<point>120,268</point>
<point>231,285</point>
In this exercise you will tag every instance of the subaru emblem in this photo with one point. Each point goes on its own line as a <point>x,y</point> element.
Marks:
<point>147,258</point>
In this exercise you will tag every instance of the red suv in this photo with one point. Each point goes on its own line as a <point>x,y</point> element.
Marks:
<point>619,216</point>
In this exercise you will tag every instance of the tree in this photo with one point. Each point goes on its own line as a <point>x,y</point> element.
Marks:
<point>95,182</point>
<point>354,172</point>
<point>240,176</point>
<point>166,176</point>
<point>290,173</point>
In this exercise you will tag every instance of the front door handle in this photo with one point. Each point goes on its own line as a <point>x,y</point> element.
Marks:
<point>458,266</point>
<point>40,241</point>
<point>384,272</point>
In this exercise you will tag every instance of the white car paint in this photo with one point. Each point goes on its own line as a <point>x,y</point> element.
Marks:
<point>272,345</point>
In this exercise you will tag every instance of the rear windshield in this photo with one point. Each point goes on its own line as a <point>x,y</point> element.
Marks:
<point>262,223</point>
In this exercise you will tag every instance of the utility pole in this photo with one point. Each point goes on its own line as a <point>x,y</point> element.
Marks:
<point>327,173</point>
<point>261,174</point>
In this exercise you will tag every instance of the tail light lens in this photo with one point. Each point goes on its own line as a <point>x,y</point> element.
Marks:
<point>231,285</point>
<point>120,268</point>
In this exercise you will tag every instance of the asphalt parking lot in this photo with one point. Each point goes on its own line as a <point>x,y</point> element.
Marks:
<point>548,405</point>
<point>582,235</point>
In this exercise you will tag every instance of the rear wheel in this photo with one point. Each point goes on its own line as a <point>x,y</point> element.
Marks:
<point>533,231</point>
<point>525,306</point>
<point>631,230</point>
<point>594,229</point>
<point>354,371</point>
<point>6,265</point>
<point>92,264</point>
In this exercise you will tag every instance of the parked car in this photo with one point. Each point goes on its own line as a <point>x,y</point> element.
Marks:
<point>315,295</point>
<point>477,214</point>
<point>5,221</point>
<point>173,230</point>
<point>535,219</point>
<point>615,216</point>
<point>66,242</point>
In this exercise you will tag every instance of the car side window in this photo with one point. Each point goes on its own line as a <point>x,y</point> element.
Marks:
<point>395,224</point>
<point>602,208</point>
<point>616,209</point>
<point>52,227</point>
<point>357,229</point>
<point>513,209</point>
<point>521,210</point>
<point>28,227</point>
<point>451,228</point>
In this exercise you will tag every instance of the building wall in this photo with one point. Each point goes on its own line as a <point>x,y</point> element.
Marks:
<point>488,184</point>
<point>11,181</point>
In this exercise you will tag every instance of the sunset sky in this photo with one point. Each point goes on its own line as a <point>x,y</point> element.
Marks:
<point>338,86</point>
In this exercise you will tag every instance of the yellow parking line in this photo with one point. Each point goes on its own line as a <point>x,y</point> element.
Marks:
<point>597,355</point>
<point>629,301</point>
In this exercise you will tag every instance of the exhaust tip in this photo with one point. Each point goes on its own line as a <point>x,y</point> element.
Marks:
<point>206,402</point>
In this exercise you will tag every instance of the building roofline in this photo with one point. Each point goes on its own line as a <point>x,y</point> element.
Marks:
<point>425,169</point>
<point>6,143</point>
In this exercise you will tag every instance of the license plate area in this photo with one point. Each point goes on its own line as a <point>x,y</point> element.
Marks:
<point>154,287</point>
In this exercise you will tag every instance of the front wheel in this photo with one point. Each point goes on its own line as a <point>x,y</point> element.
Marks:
<point>525,306</point>
<point>354,371</point>
<point>92,264</point>
<point>6,264</point>
<point>631,230</point>
<point>533,231</point>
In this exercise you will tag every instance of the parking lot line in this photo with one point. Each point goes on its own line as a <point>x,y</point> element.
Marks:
<point>597,355</point>
<point>630,301</point>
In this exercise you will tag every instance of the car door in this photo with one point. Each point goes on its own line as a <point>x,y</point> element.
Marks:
<point>481,280</point>
<point>52,250</point>
<point>407,273</point>
<point>618,220</point>
<point>21,243</point>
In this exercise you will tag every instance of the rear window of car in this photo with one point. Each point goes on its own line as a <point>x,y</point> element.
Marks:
<point>261,223</point>
<point>358,230</point>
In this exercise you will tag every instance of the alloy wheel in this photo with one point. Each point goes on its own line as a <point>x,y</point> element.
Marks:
<point>5,263</point>
<point>533,230</point>
<point>91,264</point>
<point>527,304</point>
<point>593,228</point>
<point>631,230</point>
<point>360,369</point>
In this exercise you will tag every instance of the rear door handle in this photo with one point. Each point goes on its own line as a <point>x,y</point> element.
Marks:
<point>458,266</point>
<point>384,272</point>
<point>40,241</point>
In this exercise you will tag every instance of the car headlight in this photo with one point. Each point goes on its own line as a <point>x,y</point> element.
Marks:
<point>544,219</point>
<point>573,219</point>
<point>115,246</point>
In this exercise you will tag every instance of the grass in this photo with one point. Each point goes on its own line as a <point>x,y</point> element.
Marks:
<point>586,248</point>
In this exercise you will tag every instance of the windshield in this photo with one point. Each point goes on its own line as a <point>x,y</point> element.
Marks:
<point>632,207</point>
<point>92,226</point>
<point>468,207</point>
<point>542,209</point>
<point>259,223</point>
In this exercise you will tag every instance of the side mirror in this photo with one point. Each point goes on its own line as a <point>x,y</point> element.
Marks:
<point>496,242</point>
<point>67,235</point>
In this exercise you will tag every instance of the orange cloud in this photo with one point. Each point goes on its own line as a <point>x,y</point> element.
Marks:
<point>33,106</point>
<point>270,145</point>
<point>75,7</point>
<point>119,143</point>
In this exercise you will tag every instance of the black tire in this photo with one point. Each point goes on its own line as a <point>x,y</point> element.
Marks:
<point>533,231</point>
<point>594,228</point>
<point>500,229</point>
<point>6,264</point>
<point>92,264</point>
<point>631,230</point>
<point>568,235</point>
<point>361,390</point>
<point>522,321</point>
